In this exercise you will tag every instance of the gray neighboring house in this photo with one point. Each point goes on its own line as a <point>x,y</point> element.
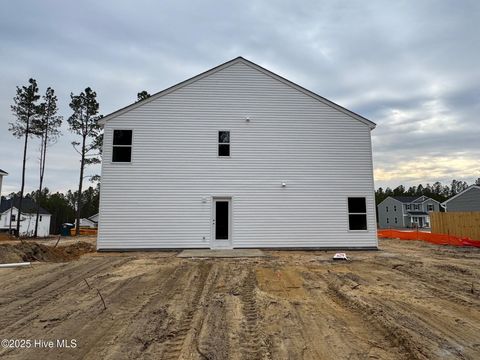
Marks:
<point>467,200</point>
<point>406,211</point>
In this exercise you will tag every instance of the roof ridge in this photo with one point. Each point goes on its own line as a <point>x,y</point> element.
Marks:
<point>227,64</point>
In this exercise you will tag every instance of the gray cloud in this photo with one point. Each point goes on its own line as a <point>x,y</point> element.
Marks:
<point>412,67</point>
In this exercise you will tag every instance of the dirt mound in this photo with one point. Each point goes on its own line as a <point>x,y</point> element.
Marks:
<point>32,251</point>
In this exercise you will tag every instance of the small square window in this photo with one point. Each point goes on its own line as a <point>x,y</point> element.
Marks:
<point>224,143</point>
<point>357,213</point>
<point>122,146</point>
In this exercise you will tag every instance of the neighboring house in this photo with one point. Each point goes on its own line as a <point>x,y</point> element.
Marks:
<point>236,157</point>
<point>406,211</point>
<point>2,174</point>
<point>91,221</point>
<point>9,217</point>
<point>467,200</point>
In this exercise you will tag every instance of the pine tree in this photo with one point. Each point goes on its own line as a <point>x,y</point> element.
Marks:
<point>83,122</point>
<point>47,128</point>
<point>25,109</point>
<point>142,95</point>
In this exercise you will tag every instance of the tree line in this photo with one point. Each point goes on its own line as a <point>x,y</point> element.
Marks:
<point>436,191</point>
<point>37,117</point>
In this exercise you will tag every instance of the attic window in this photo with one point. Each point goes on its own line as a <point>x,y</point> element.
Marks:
<point>357,213</point>
<point>122,146</point>
<point>224,143</point>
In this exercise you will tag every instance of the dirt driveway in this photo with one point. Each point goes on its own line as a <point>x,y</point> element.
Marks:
<point>409,301</point>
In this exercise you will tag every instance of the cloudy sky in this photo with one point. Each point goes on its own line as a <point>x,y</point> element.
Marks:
<point>413,67</point>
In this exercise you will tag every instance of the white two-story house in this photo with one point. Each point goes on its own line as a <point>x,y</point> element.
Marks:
<point>236,157</point>
<point>406,211</point>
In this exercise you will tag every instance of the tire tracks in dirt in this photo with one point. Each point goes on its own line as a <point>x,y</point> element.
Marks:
<point>434,284</point>
<point>253,344</point>
<point>402,329</point>
<point>19,312</point>
<point>177,336</point>
<point>138,308</point>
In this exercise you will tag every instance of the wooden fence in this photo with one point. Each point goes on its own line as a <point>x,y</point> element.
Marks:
<point>462,224</point>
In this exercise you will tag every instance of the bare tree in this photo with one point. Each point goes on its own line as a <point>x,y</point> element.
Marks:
<point>25,109</point>
<point>47,128</point>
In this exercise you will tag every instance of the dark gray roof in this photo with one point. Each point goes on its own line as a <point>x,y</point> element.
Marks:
<point>417,213</point>
<point>405,199</point>
<point>3,172</point>
<point>28,206</point>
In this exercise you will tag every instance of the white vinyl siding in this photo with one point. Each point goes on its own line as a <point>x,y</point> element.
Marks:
<point>163,199</point>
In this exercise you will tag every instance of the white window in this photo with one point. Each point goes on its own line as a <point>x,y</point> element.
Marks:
<point>408,206</point>
<point>357,213</point>
<point>122,146</point>
<point>394,207</point>
<point>224,143</point>
<point>13,217</point>
<point>40,219</point>
<point>430,207</point>
<point>386,208</point>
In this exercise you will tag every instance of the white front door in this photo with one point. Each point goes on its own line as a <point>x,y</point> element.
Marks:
<point>221,223</point>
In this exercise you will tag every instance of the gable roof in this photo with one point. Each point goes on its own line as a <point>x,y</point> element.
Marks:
<point>237,60</point>
<point>28,206</point>
<point>461,193</point>
<point>3,172</point>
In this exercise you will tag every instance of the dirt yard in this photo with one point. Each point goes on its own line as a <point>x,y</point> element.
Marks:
<point>410,300</point>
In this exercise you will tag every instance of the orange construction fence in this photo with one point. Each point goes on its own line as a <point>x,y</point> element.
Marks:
<point>439,239</point>
<point>84,231</point>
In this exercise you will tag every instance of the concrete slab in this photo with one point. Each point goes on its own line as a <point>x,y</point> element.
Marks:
<point>230,253</point>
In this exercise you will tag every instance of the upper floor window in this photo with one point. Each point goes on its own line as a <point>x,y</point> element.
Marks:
<point>13,217</point>
<point>122,146</point>
<point>224,143</point>
<point>407,206</point>
<point>357,213</point>
<point>394,207</point>
<point>386,208</point>
<point>416,206</point>
<point>430,207</point>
